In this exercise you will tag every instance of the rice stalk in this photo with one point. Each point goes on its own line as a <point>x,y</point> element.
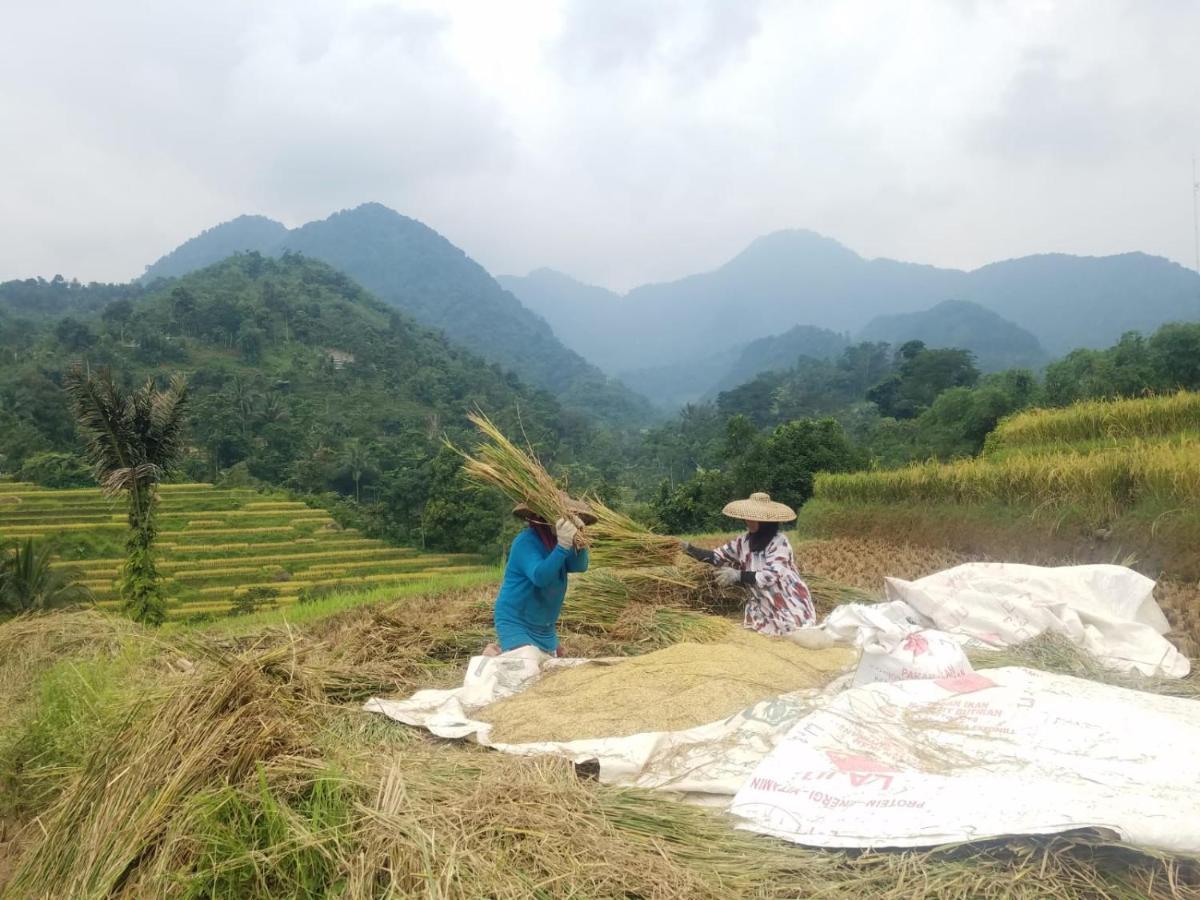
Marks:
<point>213,726</point>
<point>620,542</point>
<point>498,462</point>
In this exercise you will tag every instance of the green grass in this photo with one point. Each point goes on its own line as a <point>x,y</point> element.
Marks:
<point>350,598</point>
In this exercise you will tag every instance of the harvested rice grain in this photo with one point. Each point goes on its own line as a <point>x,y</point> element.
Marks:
<point>679,687</point>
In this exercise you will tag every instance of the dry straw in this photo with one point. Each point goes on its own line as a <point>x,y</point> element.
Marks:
<point>212,785</point>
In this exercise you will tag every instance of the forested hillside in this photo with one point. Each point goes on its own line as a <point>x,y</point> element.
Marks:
<point>39,299</point>
<point>996,342</point>
<point>302,379</point>
<point>413,268</point>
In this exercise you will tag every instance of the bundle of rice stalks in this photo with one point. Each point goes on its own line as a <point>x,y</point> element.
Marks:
<point>623,543</point>
<point>32,643</point>
<point>599,598</point>
<point>500,463</point>
<point>453,823</point>
<point>1054,653</point>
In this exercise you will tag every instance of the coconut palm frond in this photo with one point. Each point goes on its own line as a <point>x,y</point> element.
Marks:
<point>103,413</point>
<point>163,437</point>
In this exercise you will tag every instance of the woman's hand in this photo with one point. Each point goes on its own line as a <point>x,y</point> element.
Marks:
<point>727,577</point>
<point>567,533</point>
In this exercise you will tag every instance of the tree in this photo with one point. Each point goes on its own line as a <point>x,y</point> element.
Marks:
<point>786,462</point>
<point>117,315</point>
<point>134,439</point>
<point>73,335</point>
<point>28,583</point>
<point>1175,355</point>
<point>357,461</point>
<point>921,375</point>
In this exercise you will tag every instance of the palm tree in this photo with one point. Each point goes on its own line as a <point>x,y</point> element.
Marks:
<point>134,439</point>
<point>28,583</point>
<point>357,460</point>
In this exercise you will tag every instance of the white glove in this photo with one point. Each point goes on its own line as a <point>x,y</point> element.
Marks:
<point>567,532</point>
<point>727,577</point>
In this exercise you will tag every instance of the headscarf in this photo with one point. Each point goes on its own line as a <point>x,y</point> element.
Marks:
<point>759,539</point>
<point>545,532</point>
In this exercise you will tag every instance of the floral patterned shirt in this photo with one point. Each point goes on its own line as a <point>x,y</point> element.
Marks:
<point>779,600</point>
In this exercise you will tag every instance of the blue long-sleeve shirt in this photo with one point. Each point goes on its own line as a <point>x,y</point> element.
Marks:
<point>532,592</point>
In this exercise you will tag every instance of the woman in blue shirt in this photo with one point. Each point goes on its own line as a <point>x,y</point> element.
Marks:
<point>535,580</point>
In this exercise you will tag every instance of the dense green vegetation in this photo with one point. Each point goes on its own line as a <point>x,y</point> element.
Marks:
<point>303,380</point>
<point>299,379</point>
<point>995,342</point>
<point>895,407</point>
<point>412,268</point>
<point>30,583</point>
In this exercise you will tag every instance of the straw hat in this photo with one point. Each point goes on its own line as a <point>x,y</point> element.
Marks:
<point>580,509</point>
<point>759,507</point>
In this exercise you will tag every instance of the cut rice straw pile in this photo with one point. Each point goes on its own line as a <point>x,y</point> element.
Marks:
<point>498,462</point>
<point>679,687</point>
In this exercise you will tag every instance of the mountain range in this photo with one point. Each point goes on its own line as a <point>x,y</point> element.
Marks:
<point>800,277</point>
<point>788,294</point>
<point>413,268</point>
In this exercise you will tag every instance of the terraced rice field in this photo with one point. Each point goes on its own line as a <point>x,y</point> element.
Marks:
<point>215,544</point>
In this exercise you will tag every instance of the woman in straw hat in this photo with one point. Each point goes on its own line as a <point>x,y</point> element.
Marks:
<point>761,559</point>
<point>535,579</point>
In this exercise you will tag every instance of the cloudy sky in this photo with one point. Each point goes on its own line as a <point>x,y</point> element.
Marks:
<point>621,141</point>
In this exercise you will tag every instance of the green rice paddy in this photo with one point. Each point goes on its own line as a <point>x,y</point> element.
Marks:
<point>218,544</point>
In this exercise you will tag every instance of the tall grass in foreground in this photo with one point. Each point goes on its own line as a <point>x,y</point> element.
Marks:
<point>1107,482</point>
<point>1090,420</point>
<point>251,773</point>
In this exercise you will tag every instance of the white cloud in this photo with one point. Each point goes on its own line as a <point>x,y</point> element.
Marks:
<point>620,141</point>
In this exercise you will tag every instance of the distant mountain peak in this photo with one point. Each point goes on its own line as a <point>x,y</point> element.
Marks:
<point>795,241</point>
<point>242,234</point>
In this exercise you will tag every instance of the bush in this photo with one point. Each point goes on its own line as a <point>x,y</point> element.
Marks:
<point>56,470</point>
<point>254,600</point>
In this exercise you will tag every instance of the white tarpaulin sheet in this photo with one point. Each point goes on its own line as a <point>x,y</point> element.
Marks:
<point>920,750</point>
<point>1000,752</point>
<point>1107,610</point>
